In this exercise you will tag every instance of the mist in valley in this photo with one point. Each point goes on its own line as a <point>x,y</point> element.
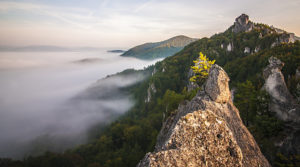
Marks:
<point>50,100</point>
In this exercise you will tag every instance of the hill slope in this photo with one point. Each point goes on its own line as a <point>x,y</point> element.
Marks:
<point>159,49</point>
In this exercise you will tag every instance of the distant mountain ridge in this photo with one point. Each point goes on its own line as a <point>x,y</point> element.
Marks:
<point>116,51</point>
<point>159,49</point>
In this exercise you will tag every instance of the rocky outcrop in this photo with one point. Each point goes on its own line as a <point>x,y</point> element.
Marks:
<point>150,91</point>
<point>216,86</point>
<point>229,47</point>
<point>206,131</point>
<point>287,38</point>
<point>284,38</point>
<point>247,50</point>
<point>154,71</point>
<point>242,24</point>
<point>257,49</point>
<point>282,102</point>
<point>285,107</point>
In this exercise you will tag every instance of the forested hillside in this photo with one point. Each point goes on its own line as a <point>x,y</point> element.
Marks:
<point>242,54</point>
<point>161,49</point>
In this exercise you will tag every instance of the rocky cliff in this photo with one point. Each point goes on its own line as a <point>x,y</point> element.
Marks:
<point>206,131</point>
<point>282,102</point>
<point>284,105</point>
<point>242,24</point>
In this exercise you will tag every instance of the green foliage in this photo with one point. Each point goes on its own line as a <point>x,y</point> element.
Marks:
<point>268,126</point>
<point>253,106</point>
<point>262,103</point>
<point>171,99</point>
<point>245,100</point>
<point>294,86</point>
<point>201,68</point>
<point>283,161</point>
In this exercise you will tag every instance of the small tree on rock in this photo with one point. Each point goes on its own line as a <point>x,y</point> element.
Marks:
<point>201,69</point>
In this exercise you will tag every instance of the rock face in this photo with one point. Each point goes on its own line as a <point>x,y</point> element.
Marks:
<point>229,47</point>
<point>206,131</point>
<point>285,107</point>
<point>247,50</point>
<point>282,102</point>
<point>242,24</point>
<point>288,38</point>
<point>150,91</point>
<point>257,49</point>
<point>284,38</point>
<point>216,86</point>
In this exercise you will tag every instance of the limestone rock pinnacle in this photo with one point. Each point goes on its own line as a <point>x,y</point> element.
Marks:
<point>216,86</point>
<point>206,131</point>
<point>242,24</point>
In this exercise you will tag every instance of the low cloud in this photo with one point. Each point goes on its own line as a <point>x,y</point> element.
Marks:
<point>53,106</point>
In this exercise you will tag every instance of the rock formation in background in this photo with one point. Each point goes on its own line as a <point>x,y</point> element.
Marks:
<point>206,131</point>
<point>282,102</point>
<point>285,107</point>
<point>242,24</point>
<point>150,92</point>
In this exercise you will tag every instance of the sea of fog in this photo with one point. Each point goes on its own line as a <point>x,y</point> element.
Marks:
<point>36,92</point>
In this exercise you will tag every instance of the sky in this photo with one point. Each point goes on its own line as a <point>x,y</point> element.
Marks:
<point>126,23</point>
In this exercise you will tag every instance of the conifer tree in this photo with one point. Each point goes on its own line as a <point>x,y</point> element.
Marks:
<point>201,68</point>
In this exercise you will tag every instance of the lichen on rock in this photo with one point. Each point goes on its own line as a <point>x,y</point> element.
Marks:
<point>200,138</point>
<point>206,131</point>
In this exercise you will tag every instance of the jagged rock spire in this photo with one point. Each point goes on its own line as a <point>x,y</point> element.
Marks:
<point>206,131</point>
<point>242,24</point>
<point>216,86</point>
<point>282,102</point>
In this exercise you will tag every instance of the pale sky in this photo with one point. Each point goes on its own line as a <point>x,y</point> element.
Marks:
<point>126,23</point>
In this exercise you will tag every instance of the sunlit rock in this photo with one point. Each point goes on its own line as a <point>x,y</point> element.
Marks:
<point>206,131</point>
<point>242,24</point>
<point>247,50</point>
